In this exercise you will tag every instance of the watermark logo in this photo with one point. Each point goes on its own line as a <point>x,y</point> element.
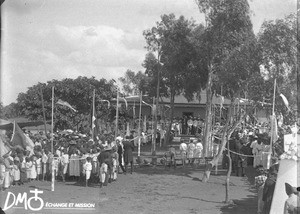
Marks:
<point>12,200</point>
<point>34,202</point>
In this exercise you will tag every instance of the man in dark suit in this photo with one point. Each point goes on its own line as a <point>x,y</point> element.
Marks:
<point>128,156</point>
<point>105,163</point>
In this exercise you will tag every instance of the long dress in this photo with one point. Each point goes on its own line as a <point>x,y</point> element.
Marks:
<point>33,170</point>
<point>28,166</point>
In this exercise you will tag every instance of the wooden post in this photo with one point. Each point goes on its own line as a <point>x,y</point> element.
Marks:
<point>52,136</point>
<point>44,115</point>
<point>139,130</point>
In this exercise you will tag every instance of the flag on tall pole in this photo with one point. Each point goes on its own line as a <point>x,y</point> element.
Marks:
<point>285,101</point>
<point>63,103</point>
<point>19,139</point>
<point>93,115</point>
<point>139,130</point>
<point>117,115</point>
<point>52,136</point>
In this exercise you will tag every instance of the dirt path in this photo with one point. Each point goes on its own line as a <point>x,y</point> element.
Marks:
<point>149,190</point>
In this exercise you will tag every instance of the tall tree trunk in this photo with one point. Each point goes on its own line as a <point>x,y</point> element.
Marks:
<point>208,114</point>
<point>228,130</point>
<point>228,175</point>
<point>167,139</point>
<point>171,117</point>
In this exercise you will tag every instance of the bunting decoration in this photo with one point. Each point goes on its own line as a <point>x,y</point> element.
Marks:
<point>107,102</point>
<point>63,103</point>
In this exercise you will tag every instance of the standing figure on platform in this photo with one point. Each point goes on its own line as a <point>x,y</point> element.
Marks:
<point>190,125</point>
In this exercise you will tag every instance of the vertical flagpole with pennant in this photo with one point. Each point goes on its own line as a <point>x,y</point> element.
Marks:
<point>93,115</point>
<point>273,121</point>
<point>139,130</point>
<point>117,114</point>
<point>52,136</point>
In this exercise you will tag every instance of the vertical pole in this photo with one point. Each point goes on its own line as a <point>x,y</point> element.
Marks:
<point>153,114</point>
<point>52,113</point>
<point>117,114</point>
<point>273,118</point>
<point>156,109</point>
<point>44,115</point>
<point>139,130</point>
<point>52,136</point>
<point>93,114</point>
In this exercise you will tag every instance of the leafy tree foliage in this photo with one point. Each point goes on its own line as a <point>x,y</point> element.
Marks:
<point>133,82</point>
<point>278,41</point>
<point>77,92</point>
<point>170,38</point>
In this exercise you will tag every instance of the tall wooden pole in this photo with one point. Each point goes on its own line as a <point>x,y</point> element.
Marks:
<point>117,114</point>
<point>52,136</point>
<point>93,114</point>
<point>273,117</point>
<point>43,108</point>
<point>153,127</point>
<point>156,107</point>
<point>139,130</point>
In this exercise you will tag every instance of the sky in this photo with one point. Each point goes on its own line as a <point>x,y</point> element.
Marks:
<point>43,40</point>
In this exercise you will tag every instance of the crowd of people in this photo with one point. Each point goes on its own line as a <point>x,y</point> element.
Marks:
<point>75,157</point>
<point>78,157</point>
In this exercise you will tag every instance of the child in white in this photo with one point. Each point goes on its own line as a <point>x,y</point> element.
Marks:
<point>115,159</point>
<point>103,173</point>
<point>38,167</point>
<point>87,167</point>
<point>64,163</point>
<point>33,168</point>
<point>16,171</point>
<point>55,165</point>
<point>28,166</point>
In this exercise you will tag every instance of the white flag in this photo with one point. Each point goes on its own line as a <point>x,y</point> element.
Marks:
<point>60,102</point>
<point>286,102</point>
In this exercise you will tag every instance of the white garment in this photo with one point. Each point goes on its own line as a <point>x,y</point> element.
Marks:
<point>87,169</point>
<point>103,172</point>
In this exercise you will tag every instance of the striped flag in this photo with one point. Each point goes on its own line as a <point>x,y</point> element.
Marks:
<point>63,103</point>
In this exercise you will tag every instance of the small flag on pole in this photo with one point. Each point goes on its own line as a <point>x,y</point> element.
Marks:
<point>60,102</point>
<point>285,101</point>
<point>93,115</point>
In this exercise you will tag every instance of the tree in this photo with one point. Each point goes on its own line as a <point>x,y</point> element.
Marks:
<point>77,92</point>
<point>278,41</point>
<point>228,41</point>
<point>227,26</point>
<point>170,38</point>
<point>134,82</point>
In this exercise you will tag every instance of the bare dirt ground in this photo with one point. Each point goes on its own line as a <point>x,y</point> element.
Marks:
<point>148,190</point>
